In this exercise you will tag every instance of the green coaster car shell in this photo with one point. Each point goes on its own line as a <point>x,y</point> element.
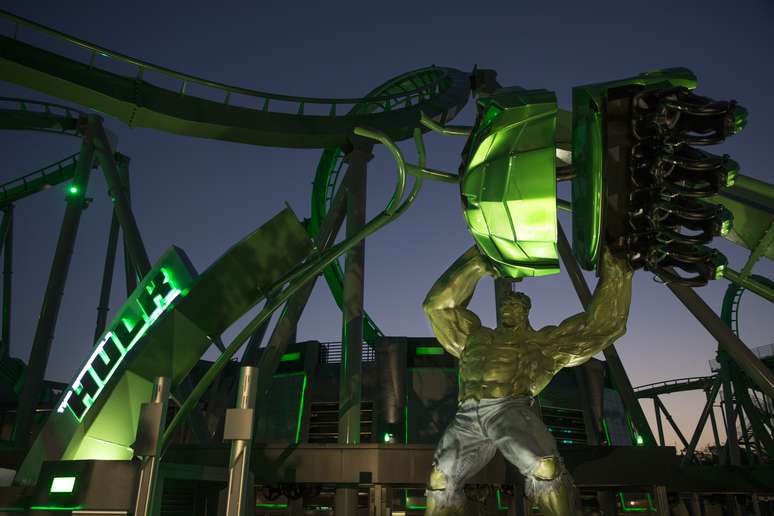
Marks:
<point>588,156</point>
<point>508,182</point>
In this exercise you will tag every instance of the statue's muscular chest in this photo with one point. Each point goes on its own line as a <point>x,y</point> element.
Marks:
<point>504,362</point>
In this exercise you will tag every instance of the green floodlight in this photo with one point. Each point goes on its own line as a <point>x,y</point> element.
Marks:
<point>73,189</point>
<point>62,485</point>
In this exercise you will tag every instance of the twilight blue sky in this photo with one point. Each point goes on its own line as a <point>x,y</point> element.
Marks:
<point>205,195</point>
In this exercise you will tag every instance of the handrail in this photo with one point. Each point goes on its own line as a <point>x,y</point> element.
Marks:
<point>45,105</point>
<point>676,381</point>
<point>40,172</point>
<point>425,89</point>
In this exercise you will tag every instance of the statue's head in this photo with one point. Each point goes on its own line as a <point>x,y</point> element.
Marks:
<point>514,310</point>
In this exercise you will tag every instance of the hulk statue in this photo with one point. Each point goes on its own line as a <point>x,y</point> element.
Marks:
<point>502,370</point>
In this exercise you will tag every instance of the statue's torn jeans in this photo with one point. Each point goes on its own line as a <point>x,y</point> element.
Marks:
<point>481,427</point>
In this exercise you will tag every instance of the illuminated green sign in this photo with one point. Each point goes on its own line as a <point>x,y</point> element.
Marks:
<point>149,301</point>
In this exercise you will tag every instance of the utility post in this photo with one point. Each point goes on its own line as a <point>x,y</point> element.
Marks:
<point>352,341</point>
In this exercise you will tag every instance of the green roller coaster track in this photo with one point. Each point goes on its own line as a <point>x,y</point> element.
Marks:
<point>244,115</point>
<point>325,181</point>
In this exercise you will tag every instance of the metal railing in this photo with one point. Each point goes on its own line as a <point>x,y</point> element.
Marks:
<point>676,382</point>
<point>47,108</point>
<point>427,82</point>
<point>22,182</point>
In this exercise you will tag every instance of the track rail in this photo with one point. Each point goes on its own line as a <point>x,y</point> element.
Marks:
<point>38,180</point>
<point>671,386</point>
<point>35,115</point>
<point>240,115</point>
<point>327,176</point>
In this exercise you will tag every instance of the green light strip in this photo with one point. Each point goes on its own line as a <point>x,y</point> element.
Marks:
<point>55,508</point>
<point>500,506</point>
<point>607,432</point>
<point>300,411</point>
<point>428,350</point>
<point>272,505</point>
<point>288,375</point>
<point>291,357</point>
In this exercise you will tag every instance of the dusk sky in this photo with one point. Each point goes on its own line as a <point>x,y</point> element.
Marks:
<point>204,196</point>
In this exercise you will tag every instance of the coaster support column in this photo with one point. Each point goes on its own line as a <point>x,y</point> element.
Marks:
<point>52,299</point>
<point>352,341</point>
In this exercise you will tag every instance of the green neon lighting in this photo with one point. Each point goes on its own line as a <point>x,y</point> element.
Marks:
<point>291,357</point>
<point>430,350</point>
<point>632,431</point>
<point>272,505</point>
<point>409,505</point>
<point>162,303</point>
<point>55,508</point>
<point>62,485</point>
<point>607,432</point>
<point>500,506</point>
<point>288,375</point>
<point>73,189</point>
<point>640,440</point>
<point>300,411</point>
<point>627,508</point>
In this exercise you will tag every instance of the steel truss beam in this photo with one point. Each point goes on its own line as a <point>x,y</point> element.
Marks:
<point>671,421</point>
<point>285,327</point>
<point>117,191</point>
<point>711,395</point>
<point>617,371</point>
<point>736,349</point>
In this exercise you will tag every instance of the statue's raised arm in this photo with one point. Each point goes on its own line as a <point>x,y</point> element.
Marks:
<point>446,303</point>
<point>582,336</point>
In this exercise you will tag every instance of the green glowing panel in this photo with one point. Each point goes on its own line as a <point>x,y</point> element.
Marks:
<point>62,485</point>
<point>430,350</point>
<point>291,357</point>
<point>508,184</point>
<point>588,158</point>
